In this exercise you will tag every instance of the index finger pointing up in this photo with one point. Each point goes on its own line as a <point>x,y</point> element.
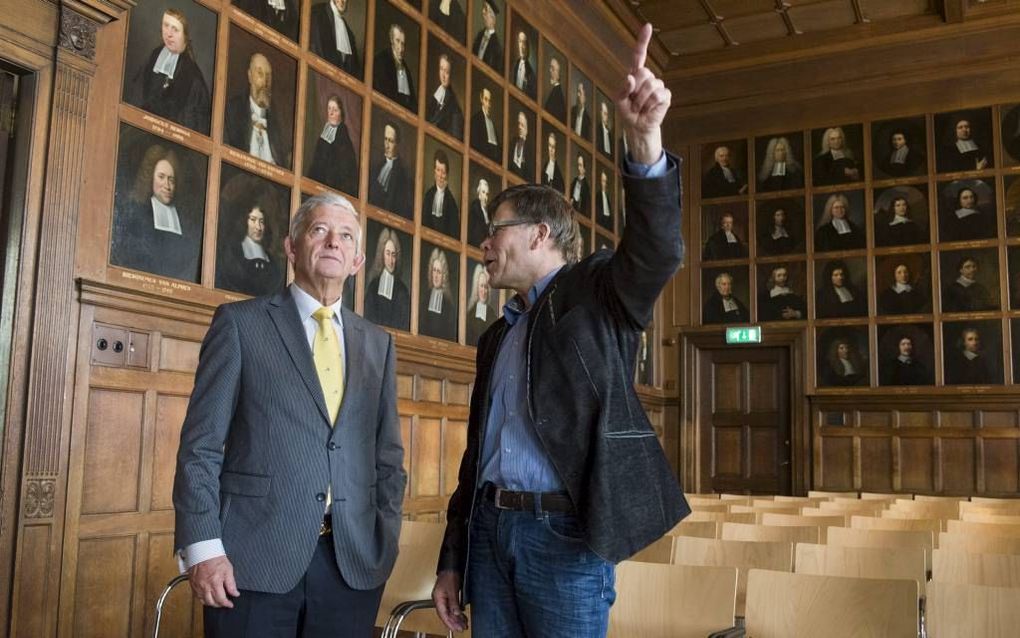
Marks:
<point>641,48</point>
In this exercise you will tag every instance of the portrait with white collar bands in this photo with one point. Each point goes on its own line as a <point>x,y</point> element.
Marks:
<point>724,292</point>
<point>259,115</point>
<point>782,291</point>
<point>159,206</point>
<point>837,154</point>
<point>842,355</point>
<point>779,161</point>
<point>780,224</point>
<point>332,135</point>
<point>906,355</point>
<point>724,228</point>
<point>967,210</point>
<point>249,240</point>
<point>839,221</point>
<point>439,275</point>
<point>169,60</point>
<point>397,52</point>
<point>903,282</point>
<point>899,148</point>
<point>970,279</point>
<point>723,167</point>
<point>964,141</point>
<point>972,352</point>
<point>901,216</point>
<point>338,34</point>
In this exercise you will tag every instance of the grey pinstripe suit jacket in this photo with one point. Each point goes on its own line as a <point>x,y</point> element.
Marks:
<point>257,450</point>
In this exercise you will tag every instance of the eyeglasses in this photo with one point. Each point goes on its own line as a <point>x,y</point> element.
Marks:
<point>494,227</point>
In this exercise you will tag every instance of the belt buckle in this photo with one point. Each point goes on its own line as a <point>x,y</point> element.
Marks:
<point>498,501</point>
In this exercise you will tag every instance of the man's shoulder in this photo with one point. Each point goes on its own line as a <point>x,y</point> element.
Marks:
<point>371,330</point>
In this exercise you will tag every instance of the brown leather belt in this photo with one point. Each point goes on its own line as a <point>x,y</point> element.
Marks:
<point>525,501</point>
<point>326,527</point>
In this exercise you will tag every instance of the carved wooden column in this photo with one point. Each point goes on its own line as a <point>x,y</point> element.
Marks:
<point>50,381</point>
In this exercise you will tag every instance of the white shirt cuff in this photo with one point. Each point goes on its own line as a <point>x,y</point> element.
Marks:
<point>197,552</point>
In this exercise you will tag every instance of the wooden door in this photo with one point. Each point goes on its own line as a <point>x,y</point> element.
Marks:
<point>744,420</point>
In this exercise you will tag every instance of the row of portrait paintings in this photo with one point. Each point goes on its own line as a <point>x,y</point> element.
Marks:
<point>972,354</point>
<point>966,211</point>
<point>899,148</point>
<point>171,77</point>
<point>159,220</point>
<point>969,282</point>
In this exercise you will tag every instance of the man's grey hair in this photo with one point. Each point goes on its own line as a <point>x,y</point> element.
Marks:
<point>298,223</point>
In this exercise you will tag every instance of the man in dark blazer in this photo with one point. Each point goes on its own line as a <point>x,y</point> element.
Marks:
<point>442,109</point>
<point>332,37</point>
<point>586,483</point>
<point>486,45</point>
<point>251,124</point>
<point>390,74</point>
<point>389,182</point>
<point>290,474</point>
<point>484,134</point>
<point>439,209</point>
<point>723,179</point>
<point>478,214</point>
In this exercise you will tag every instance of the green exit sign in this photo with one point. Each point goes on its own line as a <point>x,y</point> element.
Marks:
<point>747,334</point>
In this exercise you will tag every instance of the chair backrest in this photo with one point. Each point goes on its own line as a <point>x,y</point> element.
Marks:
<point>880,496</point>
<point>825,494</point>
<point>769,533</point>
<point>853,537</point>
<point>700,529</point>
<point>807,501</point>
<point>924,509</point>
<point>979,542</point>
<point>829,514</point>
<point>995,529</point>
<point>958,566</point>
<point>743,499</point>
<point>661,551</point>
<point>713,506</point>
<point>743,555</point>
<point>795,520</point>
<point>933,498</point>
<point>780,604</point>
<point>990,517</point>
<point>994,500</point>
<point>413,576</point>
<point>862,562</point>
<point>1007,507</point>
<point>854,507</point>
<point>672,601</point>
<point>960,609</point>
<point>934,526</point>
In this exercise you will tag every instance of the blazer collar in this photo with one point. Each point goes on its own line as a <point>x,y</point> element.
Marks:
<point>284,314</point>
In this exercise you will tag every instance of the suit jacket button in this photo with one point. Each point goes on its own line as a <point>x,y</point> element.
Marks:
<point>320,497</point>
<point>332,445</point>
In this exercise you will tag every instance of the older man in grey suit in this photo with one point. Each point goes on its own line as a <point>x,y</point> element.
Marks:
<point>290,470</point>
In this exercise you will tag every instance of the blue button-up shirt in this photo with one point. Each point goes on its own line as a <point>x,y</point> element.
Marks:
<point>512,454</point>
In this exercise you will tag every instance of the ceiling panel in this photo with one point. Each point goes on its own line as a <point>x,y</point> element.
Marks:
<point>754,28</point>
<point>736,8</point>
<point>692,40</point>
<point>668,15</point>
<point>822,16</point>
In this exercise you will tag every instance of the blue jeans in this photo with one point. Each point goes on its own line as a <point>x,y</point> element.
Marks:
<point>531,575</point>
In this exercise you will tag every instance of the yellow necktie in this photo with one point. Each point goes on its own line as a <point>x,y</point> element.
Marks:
<point>329,365</point>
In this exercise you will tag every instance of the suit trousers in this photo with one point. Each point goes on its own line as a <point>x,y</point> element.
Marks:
<point>321,605</point>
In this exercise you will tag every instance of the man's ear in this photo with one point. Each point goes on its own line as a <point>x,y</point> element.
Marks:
<point>359,261</point>
<point>542,233</point>
<point>288,247</point>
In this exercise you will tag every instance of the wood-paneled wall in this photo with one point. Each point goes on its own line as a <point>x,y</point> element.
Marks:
<point>924,440</point>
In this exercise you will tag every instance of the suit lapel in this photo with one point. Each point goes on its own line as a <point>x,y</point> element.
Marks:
<point>283,312</point>
<point>354,349</point>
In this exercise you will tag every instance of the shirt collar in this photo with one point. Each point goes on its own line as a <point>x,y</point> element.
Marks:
<point>514,308</point>
<point>307,305</point>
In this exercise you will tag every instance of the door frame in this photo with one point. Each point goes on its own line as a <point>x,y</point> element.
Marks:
<point>692,342</point>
